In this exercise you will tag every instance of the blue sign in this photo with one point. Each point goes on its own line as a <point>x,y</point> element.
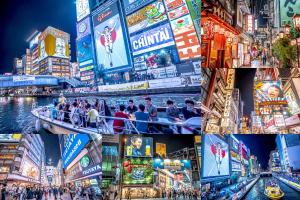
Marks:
<point>71,147</point>
<point>153,39</point>
<point>132,5</point>
<point>84,49</point>
<point>172,164</point>
<point>83,28</point>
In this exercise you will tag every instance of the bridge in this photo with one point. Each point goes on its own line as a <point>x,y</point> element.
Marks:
<point>16,81</point>
<point>266,173</point>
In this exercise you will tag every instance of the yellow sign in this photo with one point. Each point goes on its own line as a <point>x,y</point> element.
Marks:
<point>161,149</point>
<point>197,139</point>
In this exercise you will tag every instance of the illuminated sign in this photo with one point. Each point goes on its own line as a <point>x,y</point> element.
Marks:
<point>85,161</point>
<point>179,12</point>
<point>82,8</point>
<point>270,93</point>
<point>132,5</point>
<point>292,102</point>
<point>92,169</point>
<point>23,78</point>
<point>230,79</point>
<point>279,120</point>
<point>137,171</point>
<point>172,164</point>
<point>147,16</point>
<point>34,41</point>
<point>83,28</point>
<point>186,38</point>
<point>90,67</point>
<point>215,157</point>
<point>53,42</point>
<point>137,146</point>
<point>153,39</point>
<point>111,48</point>
<point>73,144</point>
<point>10,137</point>
<point>161,149</point>
<point>249,23</point>
<point>84,49</point>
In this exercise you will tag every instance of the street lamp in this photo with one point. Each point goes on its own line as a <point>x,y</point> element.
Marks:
<point>296,21</point>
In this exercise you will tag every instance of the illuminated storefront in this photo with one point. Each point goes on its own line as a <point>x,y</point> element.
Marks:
<point>82,160</point>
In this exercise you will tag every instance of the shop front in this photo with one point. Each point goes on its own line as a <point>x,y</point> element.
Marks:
<point>139,192</point>
<point>219,47</point>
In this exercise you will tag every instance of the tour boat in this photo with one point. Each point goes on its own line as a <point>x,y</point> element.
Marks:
<point>273,191</point>
<point>104,124</point>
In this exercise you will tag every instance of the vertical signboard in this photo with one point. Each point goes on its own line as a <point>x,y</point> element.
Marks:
<point>186,39</point>
<point>109,34</point>
<point>83,28</point>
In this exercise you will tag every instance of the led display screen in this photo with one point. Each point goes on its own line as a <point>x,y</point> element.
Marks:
<point>149,15</point>
<point>137,171</point>
<point>215,157</point>
<point>109,38</point>
<point>137,146</point>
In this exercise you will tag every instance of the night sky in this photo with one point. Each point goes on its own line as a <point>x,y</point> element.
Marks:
<point>52,149</point>
<point>260,146</point>
<point>244,82</point>
<point>20,18</point>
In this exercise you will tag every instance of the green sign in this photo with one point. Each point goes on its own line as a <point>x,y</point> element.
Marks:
<point>137,171</point>
<point>85,161</point>
<point>194,8</point>
<point>288,8</point>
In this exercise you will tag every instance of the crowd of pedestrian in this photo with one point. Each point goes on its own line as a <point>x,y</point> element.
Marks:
<point>37,192</point>
<point>82,112</point>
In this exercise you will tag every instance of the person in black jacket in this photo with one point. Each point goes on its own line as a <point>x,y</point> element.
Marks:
<point>3,191</point>
<point>189,110</point>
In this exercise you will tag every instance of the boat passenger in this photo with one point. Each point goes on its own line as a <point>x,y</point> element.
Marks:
<point>172,111</point>
<point>118,124</point>
<point>92,116</point>
<point>152,110</point>
<point>189,110</point>
<point>54,111</point>
<point>67,112</point>
<point>131,107</point>
<point>62,99</point>
<point>141,115</point>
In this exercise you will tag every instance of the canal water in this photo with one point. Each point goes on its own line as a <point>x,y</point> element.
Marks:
<point>257,191</point>
<point>15,115</point>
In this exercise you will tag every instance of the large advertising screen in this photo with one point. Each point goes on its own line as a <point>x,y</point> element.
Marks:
<point>172,164</point>
<point>82,9</point>
<point>147,16</point>
<point>83,28</point>
<point>215,157</point>
<point>29,169</point>
<point>138,171</point>
<point>164,57</point>
<point>153,39</point>
<point>132,5</point>
<point>138,146</point>
<point>71,147</point>
<point>270,93</point>
<point>84,49</point>
<point>53,42</point>
<point>110,38</point>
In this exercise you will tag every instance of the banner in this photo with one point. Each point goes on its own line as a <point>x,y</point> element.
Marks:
<point>109,37</point>
<point>172,164</point>
<point>153,39</point>
<point>23,78</point>
<point>149,15</point>
<point>165,83</point>
<point>141,85</point>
